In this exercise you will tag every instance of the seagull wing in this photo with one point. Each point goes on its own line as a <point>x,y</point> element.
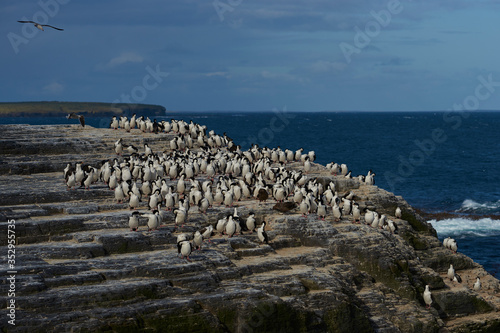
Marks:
<point>46,25</point>
<point>73,115</point>
<point>26,22</point>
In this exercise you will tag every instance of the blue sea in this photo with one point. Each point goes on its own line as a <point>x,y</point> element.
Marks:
<point>440,162</point>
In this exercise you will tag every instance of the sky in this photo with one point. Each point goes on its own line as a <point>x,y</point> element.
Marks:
<point>244,55</point>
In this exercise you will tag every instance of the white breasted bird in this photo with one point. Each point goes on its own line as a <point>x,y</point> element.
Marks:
<point>427,297</point>
<point>133,221</point>
<point>197,240</point>
<point>184,248</point>
<point>250,222</point>
<point>153,220</point>
<point>261,233</point>
<point>477,285</point>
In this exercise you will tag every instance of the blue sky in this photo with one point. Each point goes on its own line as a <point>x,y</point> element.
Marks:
<point>253,55</point>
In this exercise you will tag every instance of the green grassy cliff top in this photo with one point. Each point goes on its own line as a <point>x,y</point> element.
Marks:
<point>55,108</point>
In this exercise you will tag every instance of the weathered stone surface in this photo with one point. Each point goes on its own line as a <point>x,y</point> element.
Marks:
<point>80,268</point>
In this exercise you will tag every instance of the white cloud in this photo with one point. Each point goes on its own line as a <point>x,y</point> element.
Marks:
<point>221,74</point>
<point>126,57</point>
<point>53,88</point>
<point>281,76</point>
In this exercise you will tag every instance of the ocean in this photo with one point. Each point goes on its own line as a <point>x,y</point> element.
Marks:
<point>440,162</point>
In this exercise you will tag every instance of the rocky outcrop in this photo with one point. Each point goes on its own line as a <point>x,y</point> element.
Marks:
<point>80,268</point>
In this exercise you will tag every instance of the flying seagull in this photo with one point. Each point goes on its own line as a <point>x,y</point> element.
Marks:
<point>76,116</point>
<point>40,26</point>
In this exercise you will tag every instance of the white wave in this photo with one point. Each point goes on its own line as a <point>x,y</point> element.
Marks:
<point>470,205</point>
<point>463,227</point>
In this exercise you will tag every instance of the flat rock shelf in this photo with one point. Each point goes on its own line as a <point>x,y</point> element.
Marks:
<point>80,268</point>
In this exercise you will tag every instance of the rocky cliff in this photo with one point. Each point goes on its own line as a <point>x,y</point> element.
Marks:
<point>79,267</point>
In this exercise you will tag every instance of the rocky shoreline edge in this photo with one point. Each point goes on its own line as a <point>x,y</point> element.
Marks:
<point>80,268</point>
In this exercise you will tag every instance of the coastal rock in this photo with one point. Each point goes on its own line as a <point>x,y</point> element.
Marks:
<point>76,256</point>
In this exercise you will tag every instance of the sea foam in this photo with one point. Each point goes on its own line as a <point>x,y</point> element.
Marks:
<point>471,206</point>
<point>464,227</point>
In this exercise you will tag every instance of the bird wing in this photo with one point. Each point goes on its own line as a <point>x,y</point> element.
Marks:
<point>71,115</point>
<point>46,25</point>
<point>26,22</point>
<point>82,120</point>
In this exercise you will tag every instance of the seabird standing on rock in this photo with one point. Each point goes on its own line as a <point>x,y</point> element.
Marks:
<point>153,220</point>
<point>221,225</point>
<point>230,226</point>
<point>451,272</point>
<point>70,180</point>
<point>477,284</point>
<point>369,216</point>
<point>457,278</point>
<point>73,115</point>
<point>343,169</point>
<point>337,213</point>
<point>369,179</point>
<point>88,179</point>
<point>321,211</point>
<point>446,242</point>
<point>346,207</point>
<point>154,199</point>
<point>398,213</point>
<point>382,222</point>
<point>114,123</point>
<point>356,213</point>
<point>261,233</point>
<point>79,173</point>
<point>133,221</point>
<point>203,205</point>
<point>119,195</point>
<point>307,165</point>
<point>207,232</point>
<point>376,220</point>
<point>262,195</point>
<point>250,222</point>
<point>228,198</point>
<point>197,240</point>
<point>68,170</point>
<point>453,245</point>
<point>184,248</point>
<point>134,200</point>
<point>119,147</point>
<point>427,297</point>
<point>180,216</point>
<point>40,26</point>
<point>304,207</point>
<point>392,226</point>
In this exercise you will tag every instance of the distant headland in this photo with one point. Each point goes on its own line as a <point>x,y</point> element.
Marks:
<point>56,109</point>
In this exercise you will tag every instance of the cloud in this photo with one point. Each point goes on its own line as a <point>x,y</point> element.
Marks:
<point>124,58</point>
<point>281,76</point>
<point>218,74</point>
<point>53,88</point>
